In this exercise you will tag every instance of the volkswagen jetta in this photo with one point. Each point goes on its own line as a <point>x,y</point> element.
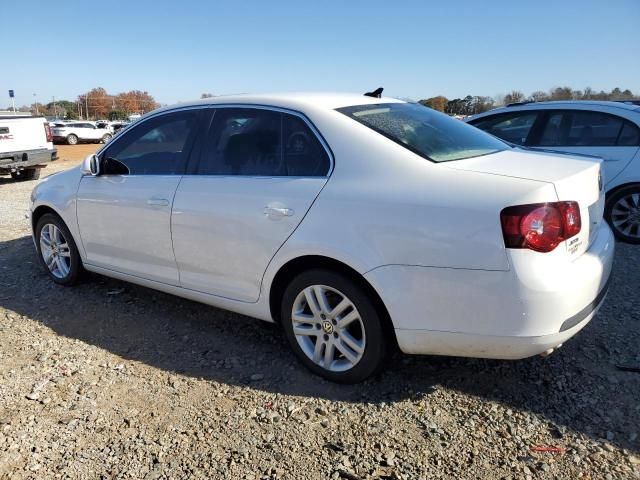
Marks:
<point>356,223</point>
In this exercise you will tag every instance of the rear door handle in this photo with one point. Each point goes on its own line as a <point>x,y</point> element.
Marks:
<point>158,202</point>
<point>277,212</point>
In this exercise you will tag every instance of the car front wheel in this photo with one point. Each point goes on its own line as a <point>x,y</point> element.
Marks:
<point>57,251</point>
<point>72,139</point>
<point>622,211</point>
<point>333,326</point>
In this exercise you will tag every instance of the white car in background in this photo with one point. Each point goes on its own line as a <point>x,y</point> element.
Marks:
<point>609,130</point>
<point>356,223</point>
<point>80,132</point>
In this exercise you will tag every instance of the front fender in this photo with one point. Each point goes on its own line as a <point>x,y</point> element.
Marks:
<point>57,193</point>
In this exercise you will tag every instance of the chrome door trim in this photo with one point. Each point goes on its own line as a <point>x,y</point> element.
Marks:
<point>208,106</point>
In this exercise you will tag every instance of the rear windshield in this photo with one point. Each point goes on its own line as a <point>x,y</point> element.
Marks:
<point>430,134</point>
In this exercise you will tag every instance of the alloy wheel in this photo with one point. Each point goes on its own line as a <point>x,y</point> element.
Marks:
<point>625,215</point>
<point>328,328</point>
<point>55,251</point>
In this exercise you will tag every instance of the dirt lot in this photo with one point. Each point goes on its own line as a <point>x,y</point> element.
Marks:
<point>111,380</point>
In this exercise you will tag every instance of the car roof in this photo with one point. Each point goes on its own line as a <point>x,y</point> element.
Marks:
<point>624,109</point>
<point>293,101</point>
<point>601,103</point>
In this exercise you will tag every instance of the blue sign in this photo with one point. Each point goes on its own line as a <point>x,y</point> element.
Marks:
<point>10,93</point>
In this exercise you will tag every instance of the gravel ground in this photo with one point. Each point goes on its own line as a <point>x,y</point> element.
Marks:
<point>111,380</point>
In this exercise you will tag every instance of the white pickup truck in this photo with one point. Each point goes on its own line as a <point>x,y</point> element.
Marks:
<point>25,146</point>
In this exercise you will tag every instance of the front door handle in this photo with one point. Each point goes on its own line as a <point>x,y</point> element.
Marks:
<point>277,212</point>
<point>158,202</point>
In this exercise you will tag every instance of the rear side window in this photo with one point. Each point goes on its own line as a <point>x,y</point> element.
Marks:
<point>304,155</point>
<point>578,128</point>
<point>261,142</point>
<point>629,136</point>
<point>512,127</point>
<point>158,146</point>
<point>424,131</point>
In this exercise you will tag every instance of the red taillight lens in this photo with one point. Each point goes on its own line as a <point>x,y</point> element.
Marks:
<point>540,226</point>
<point>47,131</point>
<point>571,216</point>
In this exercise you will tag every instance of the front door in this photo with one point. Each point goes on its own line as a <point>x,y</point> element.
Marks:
<point>258,174</point>
<point>124,214</point>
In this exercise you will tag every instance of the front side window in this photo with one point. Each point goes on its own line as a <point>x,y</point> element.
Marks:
<point>158,146</point>
<point>260,142</point>
<point>512,127</point>
<point>424,131</point>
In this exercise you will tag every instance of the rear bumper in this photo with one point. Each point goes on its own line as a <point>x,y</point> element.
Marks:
<point>13,161</point>
<point>495,314</point>
<point>488,346</point>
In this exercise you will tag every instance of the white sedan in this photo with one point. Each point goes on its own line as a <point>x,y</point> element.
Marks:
<point>356,223</point>
<point>608,130</point>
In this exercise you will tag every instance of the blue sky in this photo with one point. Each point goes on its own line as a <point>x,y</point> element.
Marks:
<point>179,49</point>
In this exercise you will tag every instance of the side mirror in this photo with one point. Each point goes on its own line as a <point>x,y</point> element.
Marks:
<point>94,165</point>
<point>87,168</point>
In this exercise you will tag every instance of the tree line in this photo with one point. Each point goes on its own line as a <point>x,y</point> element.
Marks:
<point>95,104</point>
<point>472,104</point>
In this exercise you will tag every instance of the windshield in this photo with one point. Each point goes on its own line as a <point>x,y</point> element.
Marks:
<point>430,134</point>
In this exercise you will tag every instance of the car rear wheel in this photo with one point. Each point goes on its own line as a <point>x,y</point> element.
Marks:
<point>72,139</point>
<point>106,137</point>
<point>333,326</point>
<point>623,214</point>
<point>27,174</point>
<point>57,251</point>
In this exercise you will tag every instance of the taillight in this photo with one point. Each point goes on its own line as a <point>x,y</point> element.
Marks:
<point>47,131</point>
<point>540,226</point>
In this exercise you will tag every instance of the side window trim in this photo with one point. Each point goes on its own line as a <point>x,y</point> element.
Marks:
<point>191,142</point>
<point>537,129</point>
<point>206,144</point>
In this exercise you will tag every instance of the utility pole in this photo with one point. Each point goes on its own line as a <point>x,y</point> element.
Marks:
<point>86,105</point>
<point>35,97</point>
<point>55,110</point>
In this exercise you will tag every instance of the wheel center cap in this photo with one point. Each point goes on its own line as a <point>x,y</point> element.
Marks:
<point>327,326</point>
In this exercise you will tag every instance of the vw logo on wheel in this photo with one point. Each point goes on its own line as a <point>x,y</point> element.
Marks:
<point>327,327</point>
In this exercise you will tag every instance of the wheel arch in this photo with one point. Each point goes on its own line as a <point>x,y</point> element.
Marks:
<point>295,266</point>
<point>617,188</point>
<point>41,210</point>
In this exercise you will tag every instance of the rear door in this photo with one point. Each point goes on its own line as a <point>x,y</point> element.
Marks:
<point>259,172</point>
<point>124,214</point>
<point>615,139</point>
<point>89,132</point>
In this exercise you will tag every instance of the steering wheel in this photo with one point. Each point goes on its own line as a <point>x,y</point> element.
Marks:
<point>297,143</point>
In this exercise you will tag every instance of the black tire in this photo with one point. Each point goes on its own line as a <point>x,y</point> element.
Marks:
<point>375,346</point>
<point>75,263</point>
<point>27,174</point>
<point>72,139</point>
<point>105,138</point>
<point>625,201</point>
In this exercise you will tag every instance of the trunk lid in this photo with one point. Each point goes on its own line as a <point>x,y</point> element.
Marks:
<point>574,178</point>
